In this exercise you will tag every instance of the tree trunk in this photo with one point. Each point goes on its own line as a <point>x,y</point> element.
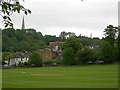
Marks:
<point>9,61</point>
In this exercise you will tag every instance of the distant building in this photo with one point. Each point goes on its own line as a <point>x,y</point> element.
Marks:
<point>52,53</point>
<point>49,54</point>
<point>20,57</point>
<point>80,36</point>
<point>54,45</point>
<point>96,38</point>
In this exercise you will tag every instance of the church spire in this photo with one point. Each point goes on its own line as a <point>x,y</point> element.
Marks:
<point>23,24</point>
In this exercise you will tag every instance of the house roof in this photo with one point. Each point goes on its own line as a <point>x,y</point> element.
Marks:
<point>96,38</point>
<point>53,50</point>
<point>22,55</point>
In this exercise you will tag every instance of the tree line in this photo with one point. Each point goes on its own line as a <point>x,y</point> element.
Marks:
<point>25,40</point>
<point>75,50</point>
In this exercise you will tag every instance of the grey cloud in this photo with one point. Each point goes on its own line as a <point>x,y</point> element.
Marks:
<point>51,15</point>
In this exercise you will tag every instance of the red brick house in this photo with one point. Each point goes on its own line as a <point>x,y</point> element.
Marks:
<point>54,45</point>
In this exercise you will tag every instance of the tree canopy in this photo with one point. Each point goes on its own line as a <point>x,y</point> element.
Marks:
<point>68,56</point>
<point>72,42</point>
<point>25,40</point>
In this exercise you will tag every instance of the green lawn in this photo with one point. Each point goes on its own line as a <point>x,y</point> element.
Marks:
<point>92,76</point>
<point>0,79</point>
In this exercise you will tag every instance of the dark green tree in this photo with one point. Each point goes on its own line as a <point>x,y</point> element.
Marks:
<point>10,32</point>
<point>110,34</point>
<point>84,55</point>
<point>6,56</point>
<point>86,41</point>
<point>72,42</point>
<point>63,35</point>
<point>109,47</point>
<point>107,52</point>
<point>49,38</point>
<point>21,40</point>
<point>71,34</point>
<point>118,45</point>
<point>68,56</point>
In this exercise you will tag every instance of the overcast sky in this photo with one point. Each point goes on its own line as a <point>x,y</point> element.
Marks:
<point>54,16</point>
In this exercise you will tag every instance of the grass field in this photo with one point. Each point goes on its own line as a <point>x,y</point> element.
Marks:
<point>0,79</point>
<point>92,76</point>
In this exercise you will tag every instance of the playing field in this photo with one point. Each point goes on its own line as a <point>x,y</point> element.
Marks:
<point>92,76</point>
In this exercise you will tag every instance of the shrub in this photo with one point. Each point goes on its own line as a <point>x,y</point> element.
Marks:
<point>21,64</point>
<point>52,61</point>
<point>2,63</point>
<point>25,63</point>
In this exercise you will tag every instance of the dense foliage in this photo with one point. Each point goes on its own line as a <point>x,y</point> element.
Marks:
<point>35,59</point>
<point>110,45</point>
<point>73,43</point>
<point>84,56</point>
<point>25,40</point>
<point>68,56</point>
<point>6,56</point>
<point>107,52</point>
<point>88,41</point>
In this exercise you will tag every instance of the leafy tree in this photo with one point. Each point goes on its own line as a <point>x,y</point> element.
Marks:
<point>10,32</point>
<point>35,59</point>
<point>19,34</point>
<point>110,34</point>
<point>107,52</point>
<point>49,38</point>
<point>68,56</point>
<point>96,54</point>
<point>6,56</point>
<point>63,35</point>
<point>72,42</point>
<point>118,44</point>
<point>8,7</point>
<point>86,41</point>
<point>71,34</point>
<point>84,55</point>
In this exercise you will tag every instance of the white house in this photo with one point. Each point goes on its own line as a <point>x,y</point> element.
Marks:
<point>20,57</point>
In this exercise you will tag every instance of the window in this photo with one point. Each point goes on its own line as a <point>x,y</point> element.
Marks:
<point>46,55</point>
